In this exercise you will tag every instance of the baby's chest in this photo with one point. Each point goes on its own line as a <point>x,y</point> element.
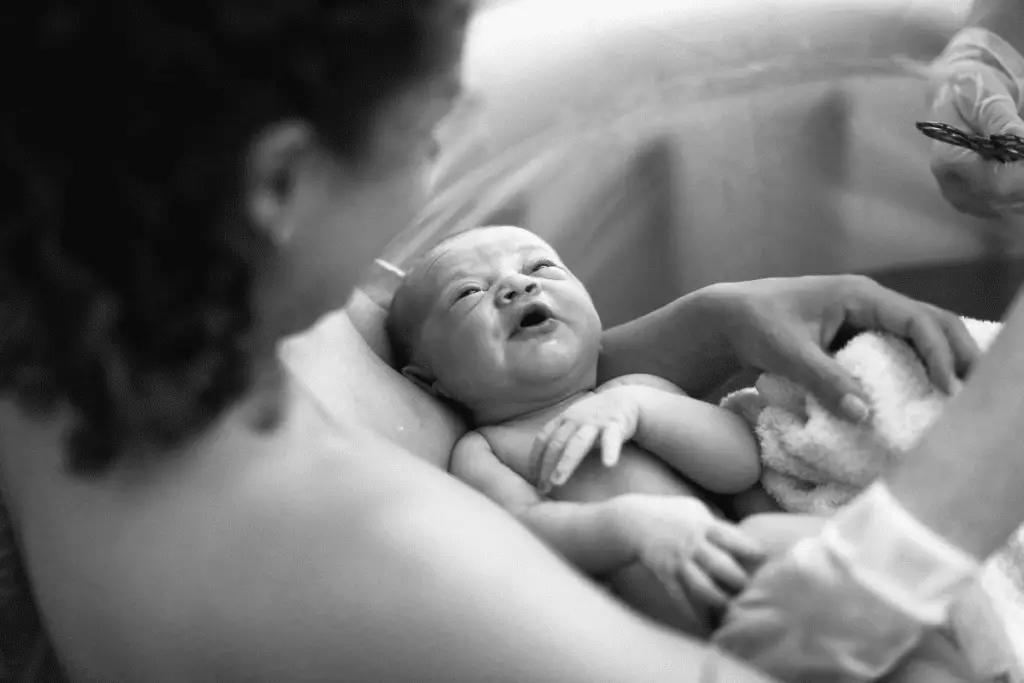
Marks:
<point>513,445</point>
<point>637,471</point>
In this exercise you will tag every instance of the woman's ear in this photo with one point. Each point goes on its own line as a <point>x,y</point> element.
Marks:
<point>273,166</point>
<point>424,380</point>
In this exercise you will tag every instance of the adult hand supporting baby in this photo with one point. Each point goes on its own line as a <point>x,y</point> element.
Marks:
<point>784,326</point>
<point>977,85</point>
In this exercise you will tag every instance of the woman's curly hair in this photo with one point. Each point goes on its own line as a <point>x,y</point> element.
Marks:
<point>126,267</point>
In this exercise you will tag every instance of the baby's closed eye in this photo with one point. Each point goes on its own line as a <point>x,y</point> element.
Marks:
<point>468,290</point>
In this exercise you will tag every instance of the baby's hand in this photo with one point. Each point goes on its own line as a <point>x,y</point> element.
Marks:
<point>609,417</point>
<point>701,560</point>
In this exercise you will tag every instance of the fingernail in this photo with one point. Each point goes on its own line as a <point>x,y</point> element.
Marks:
<point>855,408</point>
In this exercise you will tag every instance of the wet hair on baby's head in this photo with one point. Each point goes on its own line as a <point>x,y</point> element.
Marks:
<point>405,315</point>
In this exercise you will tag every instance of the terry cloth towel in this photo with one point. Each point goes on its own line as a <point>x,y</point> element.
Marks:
<point>814,462</point>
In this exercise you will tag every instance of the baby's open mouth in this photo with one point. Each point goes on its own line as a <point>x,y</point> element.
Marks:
<point>533,316</point>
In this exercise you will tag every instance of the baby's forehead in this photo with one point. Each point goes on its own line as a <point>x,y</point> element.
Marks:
<point>472,250</point>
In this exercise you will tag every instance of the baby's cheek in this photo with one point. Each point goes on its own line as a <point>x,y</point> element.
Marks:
<point>468,359</point>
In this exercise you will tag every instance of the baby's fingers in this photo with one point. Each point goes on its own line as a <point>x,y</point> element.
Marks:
<point>678,593</point>
<point>722,568</point>
<point>737,543</point>
<point>576,449</point>
<point>611,445</point>
<point>702,588</point>
<point>541,468</point>
<point>555,447</point>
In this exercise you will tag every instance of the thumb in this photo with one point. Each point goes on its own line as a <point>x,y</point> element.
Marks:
<point>999,116</point>
<point>833,386</point>
<point>982,99</point>
<point>1005,180</point>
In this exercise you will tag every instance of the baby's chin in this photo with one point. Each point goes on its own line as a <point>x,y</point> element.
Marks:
<point>553,365</point>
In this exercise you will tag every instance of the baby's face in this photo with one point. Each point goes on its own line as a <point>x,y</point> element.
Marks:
<point>505,320</point>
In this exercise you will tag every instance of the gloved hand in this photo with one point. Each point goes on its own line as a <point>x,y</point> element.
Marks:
<point>977,85</point>
<point>848,604</point>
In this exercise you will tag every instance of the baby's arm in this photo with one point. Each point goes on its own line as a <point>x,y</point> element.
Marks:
<point>589,535</point>
<point>698,558</point>
<point>710,445</point>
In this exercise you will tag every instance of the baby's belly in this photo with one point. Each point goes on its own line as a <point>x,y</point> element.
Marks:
<point>637,472</point>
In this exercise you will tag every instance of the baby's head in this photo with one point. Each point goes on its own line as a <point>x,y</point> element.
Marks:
<point>491,319</point>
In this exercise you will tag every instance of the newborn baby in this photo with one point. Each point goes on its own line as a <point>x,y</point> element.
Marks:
<point>493,321</point>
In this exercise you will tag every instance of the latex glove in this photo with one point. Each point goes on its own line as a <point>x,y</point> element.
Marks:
<point>977,85</point>
<point>848,604</point>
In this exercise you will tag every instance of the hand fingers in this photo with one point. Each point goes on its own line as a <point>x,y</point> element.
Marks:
<point>965,348</point>
<point>556,447</point>
<point>879,308</point>
<point>977,102</point>
<point>722,568</point>
<point>677,594</point>
<point>541,468</point>
<point>929,339</point>
<point>611,445</point>
<point>576,449</point>
<point>702,588</point>
<point>837,389</point>
<point>735,541</point>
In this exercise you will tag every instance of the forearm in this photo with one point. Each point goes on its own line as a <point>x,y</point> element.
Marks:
<point>1003,17</point>
<point>712,447</point>
<point>964,479</point>
<point>676,342</point>
<point>588,535</point>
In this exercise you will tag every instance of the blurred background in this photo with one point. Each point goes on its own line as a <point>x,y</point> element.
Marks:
<point>662,145</point>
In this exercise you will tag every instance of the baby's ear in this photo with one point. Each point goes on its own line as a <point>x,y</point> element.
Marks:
<point>424,380</point>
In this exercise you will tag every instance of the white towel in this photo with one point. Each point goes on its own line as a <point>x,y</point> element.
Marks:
<point>815,462</point>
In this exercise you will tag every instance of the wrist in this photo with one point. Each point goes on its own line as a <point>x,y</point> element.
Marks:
<point>641,401</point>
<point>715,305</point>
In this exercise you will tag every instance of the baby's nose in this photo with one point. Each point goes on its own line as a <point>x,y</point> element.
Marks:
<point>516,287</point>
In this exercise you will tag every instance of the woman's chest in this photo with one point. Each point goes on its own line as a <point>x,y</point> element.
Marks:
<point>359,392</point>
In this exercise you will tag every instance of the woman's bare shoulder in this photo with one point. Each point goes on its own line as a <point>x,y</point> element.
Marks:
<point>254,557</point>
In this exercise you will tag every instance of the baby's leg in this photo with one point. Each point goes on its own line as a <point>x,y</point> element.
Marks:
<point>778,531</point>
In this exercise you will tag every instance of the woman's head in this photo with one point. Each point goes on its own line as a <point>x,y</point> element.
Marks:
<point>188,182</point>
